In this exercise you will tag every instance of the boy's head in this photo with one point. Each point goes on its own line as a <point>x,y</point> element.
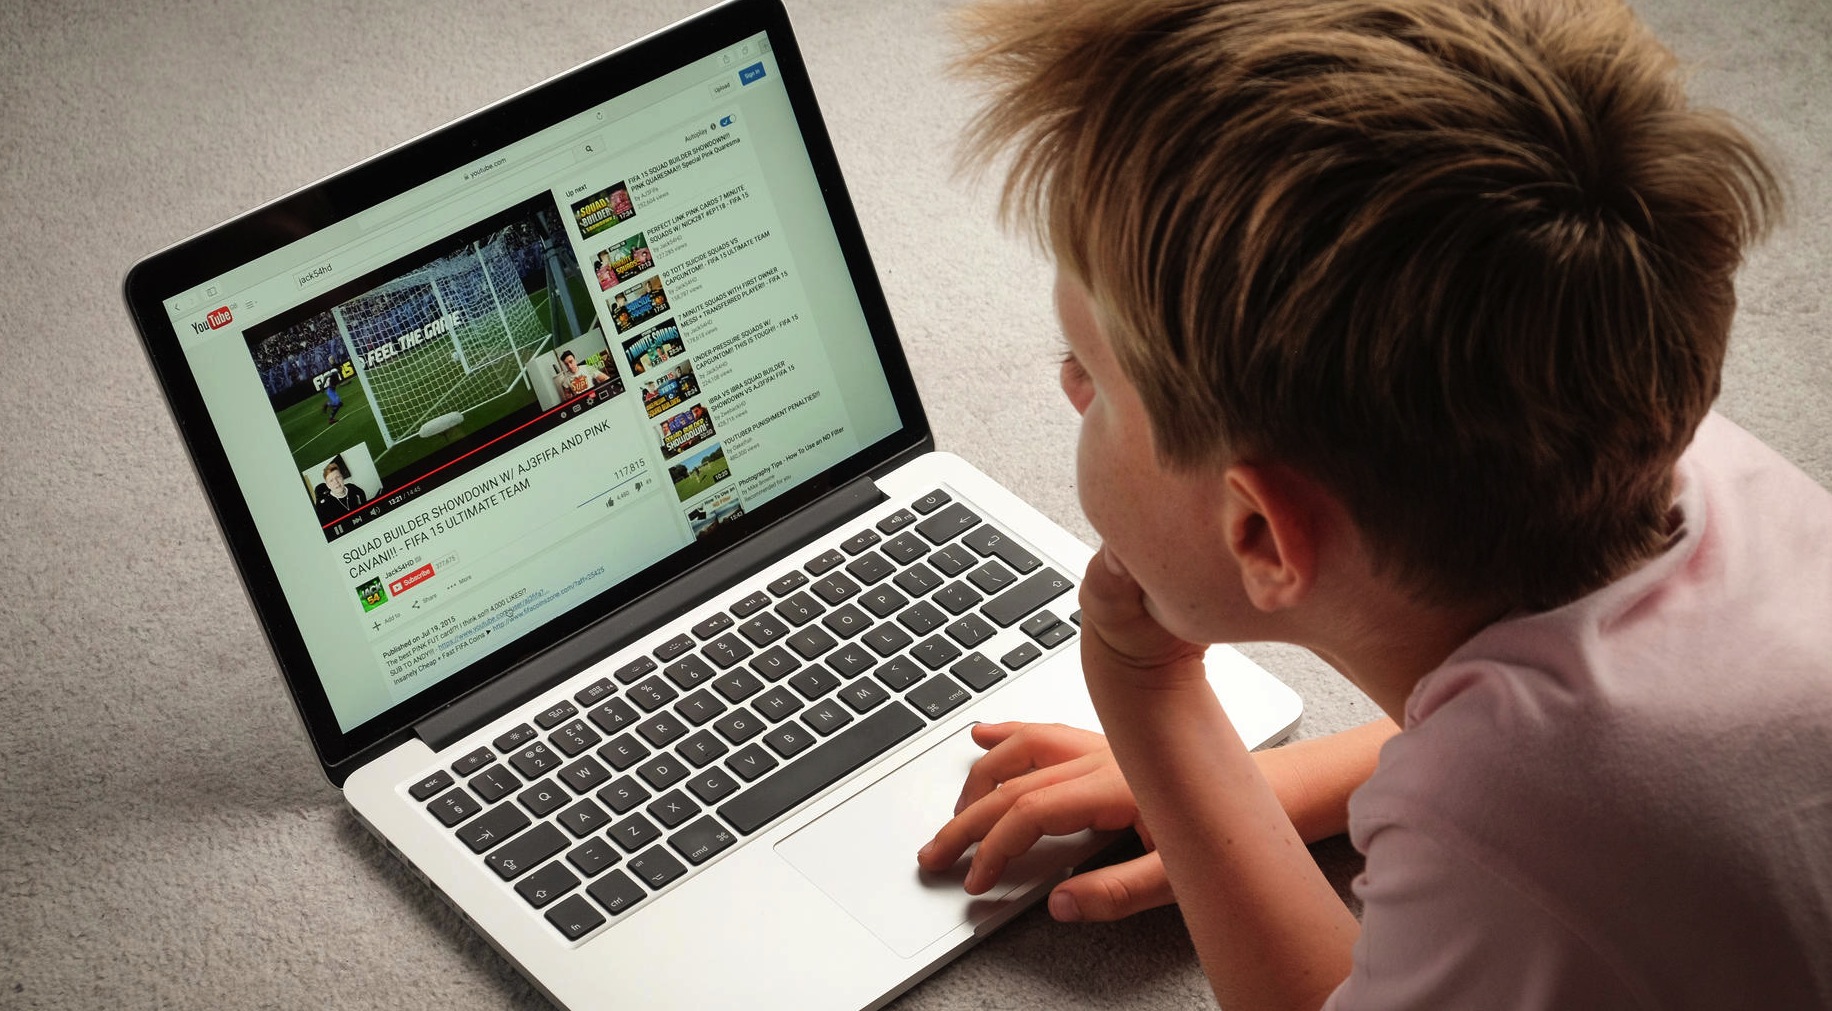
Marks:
<point>1466,263</point>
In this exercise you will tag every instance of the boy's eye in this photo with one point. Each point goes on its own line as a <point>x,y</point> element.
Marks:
<point>1075,382</point>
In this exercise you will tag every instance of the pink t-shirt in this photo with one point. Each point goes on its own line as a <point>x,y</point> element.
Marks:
<point>1625,802</point>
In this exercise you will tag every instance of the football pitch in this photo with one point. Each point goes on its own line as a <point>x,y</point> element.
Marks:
<point>313,438</point>
<point>701,478</point>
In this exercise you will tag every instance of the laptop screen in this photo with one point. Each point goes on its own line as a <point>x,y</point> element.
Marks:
<point>465,419</point>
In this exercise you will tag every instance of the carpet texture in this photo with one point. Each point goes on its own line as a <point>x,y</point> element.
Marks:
<point>165,840</point>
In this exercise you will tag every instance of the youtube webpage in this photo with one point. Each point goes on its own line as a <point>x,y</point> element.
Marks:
<point>555,394</point>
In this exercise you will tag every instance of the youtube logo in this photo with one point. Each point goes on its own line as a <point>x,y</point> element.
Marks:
<point>218,318</point>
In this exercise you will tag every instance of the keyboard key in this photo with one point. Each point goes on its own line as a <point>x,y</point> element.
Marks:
<point>971,630</point>
<point>1075,617</point>
<point>883,601</point>
<point>987,541</point>
<point>583,818</point>
<point>702,840</point>
<point>662,729</point>
<point>623,794</point>
<point>820,768</point>
<point>623,751</point>
<point>979,672</point>
<point>595,692</point>
<point>870,568</point>
<point>886,639</point>
<point>584,775</point>
<point>947,524</point>
<point>615,892</point>
<point>1038,623</point>
<point>726,651</point>
<point>662,771</point>
<point>906,548</point>
<point>1056,635</point>
<point>826,716</point>
<point>574,737</point>
<point>592,856</point>
<point>633,833</point>
<point>756,601</point>
<point>953,560</point>
<point>652,693</point>
<point>534,759</point>
<point>896,521</point>
<point>799,609</point>
<point>1012,606</point>
<point>778,703</point>
<point>547,884</point>
<point>863,695</point>
<point>613,716</point>
<point>700,707</point>
<point>432,784</point>
<point>634,669</point>
<point>741,724</point>
<point>688,671</point>
<point>836,589</point>
<point>544,798</point>
<point>497,824</point>
<point>763,630</point>
<point>824,562</point>
<point>860,541</point>
<point>774,664</point>
<point>814,682</point>
<point>1025,653</point>
<point>789,740</point>
<point>791,581</point>
<point>556,714</point>
<point>738,686</point>
<point>672,808</point>
<point>922,617</point>
<point>673,647</point>
<point>712,626</point>
<point>712,785</point>
<point>702,749</point>
<point>525,852</point>
<point>899,673</point>
<point>851,660</point>
<point>938,696</point>
<point>515,738</point>
<point>918,579</point>
<point>750,762</point>
<point>846,622</point>
<point>494,783</point>
<point>935,651</point>
<point>931,502</point>
<point>656,867</point>
<point>473,761</point>
<point>575,918</point>
<point>811,642</point>
<point>992,577</point>
<point>957,597</point>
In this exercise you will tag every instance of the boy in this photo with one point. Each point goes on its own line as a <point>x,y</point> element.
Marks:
<point>1394,326</point>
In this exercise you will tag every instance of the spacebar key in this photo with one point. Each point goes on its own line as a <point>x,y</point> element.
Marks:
<point>821,767</point>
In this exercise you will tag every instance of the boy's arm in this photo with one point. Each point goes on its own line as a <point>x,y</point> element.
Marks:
<point>1313,778</point>
<point>1267,925</point>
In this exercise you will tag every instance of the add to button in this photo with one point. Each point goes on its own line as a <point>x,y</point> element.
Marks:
<point>752,73</point>
<point>411,580</point>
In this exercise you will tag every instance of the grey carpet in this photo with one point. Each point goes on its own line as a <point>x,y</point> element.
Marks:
<point>165,841</point>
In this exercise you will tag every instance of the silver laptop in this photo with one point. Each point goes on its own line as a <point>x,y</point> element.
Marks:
<point>572,463</point>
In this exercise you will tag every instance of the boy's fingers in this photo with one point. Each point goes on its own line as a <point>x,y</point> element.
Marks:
<point>1060,809</point>
<point>977,819</point>
<point>1113,892</point>
<point>1020,748</point>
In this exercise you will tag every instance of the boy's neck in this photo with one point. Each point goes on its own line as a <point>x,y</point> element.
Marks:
<point>1389,642</point>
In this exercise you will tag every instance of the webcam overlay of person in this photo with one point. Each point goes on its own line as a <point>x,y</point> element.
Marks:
<point>337,496</point>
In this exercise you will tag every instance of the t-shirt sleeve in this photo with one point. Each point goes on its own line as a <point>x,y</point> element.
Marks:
<point>1441,931</point>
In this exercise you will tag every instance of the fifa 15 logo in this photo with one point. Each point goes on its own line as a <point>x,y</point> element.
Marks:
<point>215,321</point>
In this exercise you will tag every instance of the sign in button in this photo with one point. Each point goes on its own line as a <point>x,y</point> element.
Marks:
<point>411,580</point>
<point>750,74</point>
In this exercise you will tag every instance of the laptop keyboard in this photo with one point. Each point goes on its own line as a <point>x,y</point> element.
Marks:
<point>610,795</point>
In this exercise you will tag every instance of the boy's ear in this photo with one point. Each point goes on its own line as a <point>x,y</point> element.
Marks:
<point>1272,522</point>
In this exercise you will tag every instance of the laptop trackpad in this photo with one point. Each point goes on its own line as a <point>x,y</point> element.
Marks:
<point>862,854</point>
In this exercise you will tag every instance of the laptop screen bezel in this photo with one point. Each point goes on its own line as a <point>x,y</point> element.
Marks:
<point>288,219</point>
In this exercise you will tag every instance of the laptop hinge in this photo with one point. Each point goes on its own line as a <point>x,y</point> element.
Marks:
<point>640,617</point>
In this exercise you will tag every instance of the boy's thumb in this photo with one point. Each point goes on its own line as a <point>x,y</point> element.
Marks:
<point>1113,892</point>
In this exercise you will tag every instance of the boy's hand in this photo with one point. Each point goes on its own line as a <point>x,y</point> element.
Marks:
<point>1037,780</point>
<point>1122,638</point>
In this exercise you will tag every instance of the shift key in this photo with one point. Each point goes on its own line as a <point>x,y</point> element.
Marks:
<point>1016,604</point>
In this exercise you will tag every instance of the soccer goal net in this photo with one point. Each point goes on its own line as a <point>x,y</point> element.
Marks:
<point>443,339</point>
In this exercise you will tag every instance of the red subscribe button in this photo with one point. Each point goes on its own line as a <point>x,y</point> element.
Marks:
<point>411,580</point>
